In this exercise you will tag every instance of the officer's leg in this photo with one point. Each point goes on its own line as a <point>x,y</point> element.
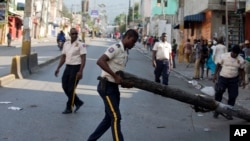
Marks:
<point>101,129</point>
<point>165,72</point>
<point>65,81</point>
<point>158,71</point>
<point>113,101</point>
<point>233,90</point>
<point>106,122</point>
<point>72,83</point>
<point>220,88</point>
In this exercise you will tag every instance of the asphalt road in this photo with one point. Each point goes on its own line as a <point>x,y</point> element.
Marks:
<point>145,116</point>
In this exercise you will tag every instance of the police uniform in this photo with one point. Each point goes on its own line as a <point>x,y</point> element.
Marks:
<point>163,56</point>
<point>110,94</point>
<point>229,77</point>
<point>73,62</point>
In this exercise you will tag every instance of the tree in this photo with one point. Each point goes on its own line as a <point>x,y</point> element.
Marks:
<point>120,20</point>
<point>66,13</point>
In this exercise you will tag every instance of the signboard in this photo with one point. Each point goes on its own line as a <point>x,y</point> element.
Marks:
<point>247,5</point>
<point>94,13</point>
<point>2,12</point>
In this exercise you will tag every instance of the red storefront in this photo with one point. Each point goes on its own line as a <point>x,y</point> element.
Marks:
<point>15,26</point>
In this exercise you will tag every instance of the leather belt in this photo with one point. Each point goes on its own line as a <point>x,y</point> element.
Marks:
<point>162,59</point>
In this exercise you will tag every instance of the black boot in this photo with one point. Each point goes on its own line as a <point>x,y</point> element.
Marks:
<point>78,106</point>
<point>67,111</point>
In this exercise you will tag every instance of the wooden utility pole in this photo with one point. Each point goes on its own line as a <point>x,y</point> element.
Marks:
<point>27,25</point>
<point>201,103</point>
<point>181,46</point>
<point>226,13</point>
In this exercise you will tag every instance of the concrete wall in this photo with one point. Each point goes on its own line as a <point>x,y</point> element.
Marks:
<point>218,29</point>
<point>193,6</point>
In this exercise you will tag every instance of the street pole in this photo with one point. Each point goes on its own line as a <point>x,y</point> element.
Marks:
<point>181,46</point>
<point>226,13</point>
<point>83,19</point>
<point>27,25</point>
<point>162,6</point>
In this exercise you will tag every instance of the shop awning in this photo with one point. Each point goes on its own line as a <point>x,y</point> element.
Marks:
<point>186,26</point>
<point>200,17</point>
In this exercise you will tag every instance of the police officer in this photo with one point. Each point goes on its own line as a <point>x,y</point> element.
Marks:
<point>162,60</point>
<point>74,55</point>
<point>113,60</point>
<point>230,67</point>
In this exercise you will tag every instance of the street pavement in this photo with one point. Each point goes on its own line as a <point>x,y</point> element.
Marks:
<point>47,50</point>
<point>205,84</point>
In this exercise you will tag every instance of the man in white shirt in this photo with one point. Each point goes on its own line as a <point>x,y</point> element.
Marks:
<point>162,60</point>
<point>230,67</point>
<point>219,49</point>
<point>74,56</point>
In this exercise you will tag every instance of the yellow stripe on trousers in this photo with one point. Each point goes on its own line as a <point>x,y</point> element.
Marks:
<point>115,118</point>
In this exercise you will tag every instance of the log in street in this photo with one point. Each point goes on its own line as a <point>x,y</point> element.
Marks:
<point>200,102</point>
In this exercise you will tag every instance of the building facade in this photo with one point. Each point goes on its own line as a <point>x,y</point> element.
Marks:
<point>215,18</point>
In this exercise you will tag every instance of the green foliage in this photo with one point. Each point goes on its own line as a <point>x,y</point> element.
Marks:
<point>66,12</point>
<point>122,28</point>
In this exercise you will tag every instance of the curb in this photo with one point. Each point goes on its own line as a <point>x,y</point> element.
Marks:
<point>6,79</point>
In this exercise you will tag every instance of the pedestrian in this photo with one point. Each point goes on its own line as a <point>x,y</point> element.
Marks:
<point>145,39</point>
<point>150,42</point>
<point>155,40</point>
<point>219,49</point>
<point>9,39</point>
<point>162,60</point>
<point>198,49</point>
<point>174,51</point>
<point>187,51</point>
<point>210,63</point>
<point>74,56</point>
<point>113,60</point>
<point>230,68</point>
<point>203,57</point>
<point>247,59</point>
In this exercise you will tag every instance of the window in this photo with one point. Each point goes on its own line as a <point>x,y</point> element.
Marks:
<point>20,6</point>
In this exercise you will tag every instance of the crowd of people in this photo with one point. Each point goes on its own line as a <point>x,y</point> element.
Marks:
<point>205,54</point>
<point>229,67</point>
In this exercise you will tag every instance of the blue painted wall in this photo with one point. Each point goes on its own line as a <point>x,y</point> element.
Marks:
<point>171,8</point>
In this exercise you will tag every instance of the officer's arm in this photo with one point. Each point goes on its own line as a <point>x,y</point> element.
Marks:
<point>154,55</point>
<point>83,61</point>
<point>102,62</point>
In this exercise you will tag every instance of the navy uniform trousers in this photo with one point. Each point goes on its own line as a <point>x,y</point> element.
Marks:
<point>232,84</point>
<point>162,69</point>
<point>68,84</point>
<point>111,98</point>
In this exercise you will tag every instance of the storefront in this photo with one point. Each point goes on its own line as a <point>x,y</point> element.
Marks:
<point>15,26</point>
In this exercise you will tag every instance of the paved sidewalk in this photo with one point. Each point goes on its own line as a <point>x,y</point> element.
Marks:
<point>46,48</point>
<point>188,72</point>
